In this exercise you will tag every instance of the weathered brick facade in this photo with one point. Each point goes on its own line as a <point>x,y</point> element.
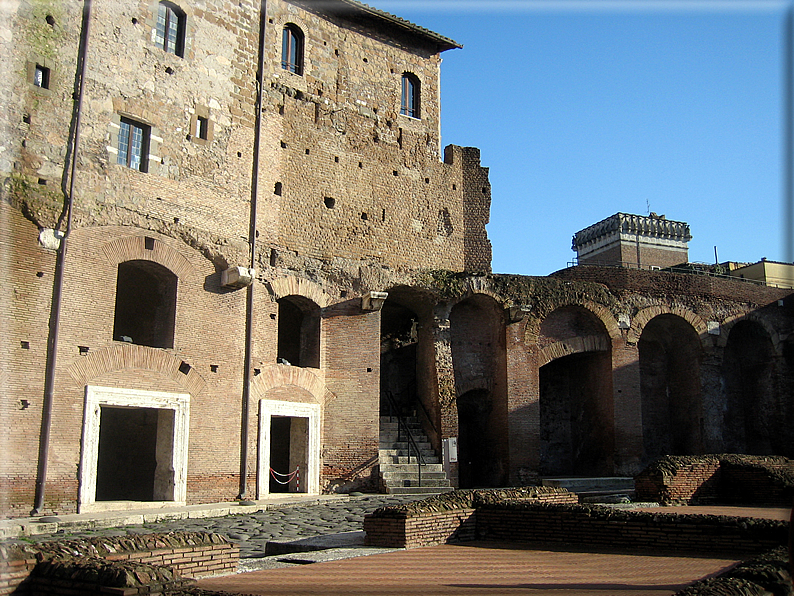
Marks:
<point>149,394</point>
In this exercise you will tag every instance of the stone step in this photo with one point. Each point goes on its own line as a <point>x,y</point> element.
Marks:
<point>418,490</point>
<point>609,484</point>
<point>393,419</point>
<point>404,452</point>
<point>423,446</point>
<point>410,468</point>
<point>426,475</point>
<point>414,482</point>
<point>404,459</point>
<point>395,438</point>
<point>387,426</point>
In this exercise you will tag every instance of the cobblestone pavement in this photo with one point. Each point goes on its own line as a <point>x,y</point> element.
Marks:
<point>253,531</point>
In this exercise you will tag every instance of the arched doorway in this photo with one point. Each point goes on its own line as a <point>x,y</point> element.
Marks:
<point>477,337</point>
<point>753,406</point>
<point>670,388</point>
<point>575,395</point>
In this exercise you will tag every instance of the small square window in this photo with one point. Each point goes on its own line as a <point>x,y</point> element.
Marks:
<point>41,76</point>
<point>134,145</point>
<point>202,127</point>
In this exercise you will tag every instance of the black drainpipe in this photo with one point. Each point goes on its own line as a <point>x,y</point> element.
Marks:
<point>57,290</point>
<point>249,303</point>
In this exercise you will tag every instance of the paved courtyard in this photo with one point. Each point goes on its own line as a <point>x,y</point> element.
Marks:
<point>481,568</point>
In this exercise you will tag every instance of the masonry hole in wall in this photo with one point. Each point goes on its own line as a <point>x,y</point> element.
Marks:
<point>336,159</point>
<point>360,165</point>
<point>669,360</point>
<point>169,70</point>
<point>427,180</point>
<point>307,152</point>
<point>298,332</point>
<point>40,274</point>
<point>289,452</point>
<point>213,368</point>
<point>83,350</point>
<point>395,173</point>
<point>135,454</point>
<point>134,21</point>
<point>184,368</point>
<point>329,202</point>
<point>366,60</point>
<point>25,345</point>
<point>148,243</point>
<point>364,217</point>
<point>277,189</point>
<point>383,215</point>
<point>145,304</point>
<point>42,182</point>
<point>454,187</point>
<point>26,118</point>
<point>283,145</point>
<point>50,20</point>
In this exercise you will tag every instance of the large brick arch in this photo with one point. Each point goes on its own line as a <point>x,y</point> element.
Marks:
<point>297,286</point>
<point>644,316</point>
<point>532,329</point>
<point>279,375</point>
<point>576,345</point>
<point>133,248</point>
<point>130,356</point>
<point>755,317</point>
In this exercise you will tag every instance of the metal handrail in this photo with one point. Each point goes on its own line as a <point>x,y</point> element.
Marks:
<point>402,425</point>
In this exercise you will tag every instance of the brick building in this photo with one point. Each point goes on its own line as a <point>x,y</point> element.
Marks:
<point>207,282</point>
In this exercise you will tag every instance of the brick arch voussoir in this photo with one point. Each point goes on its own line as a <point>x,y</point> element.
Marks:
<point>280,375</point>
<point>297,286</point>
<point>133,357</point>
<point>133,248</point>
<point>603,314</point>
<point>646,315</point>
<point>574,345</point>
<point>727,325</point>
<point>481,384</point>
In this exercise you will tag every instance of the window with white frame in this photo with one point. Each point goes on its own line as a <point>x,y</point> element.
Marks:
<point>169,33</point>
<point>133,148</point>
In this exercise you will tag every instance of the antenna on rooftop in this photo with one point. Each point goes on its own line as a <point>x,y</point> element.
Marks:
<point>648,205</point>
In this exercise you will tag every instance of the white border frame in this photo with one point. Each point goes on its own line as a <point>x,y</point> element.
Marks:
<point>269,408</point>
<point>95,397</point>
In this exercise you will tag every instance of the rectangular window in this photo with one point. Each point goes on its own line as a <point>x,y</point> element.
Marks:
<point>41,76</point>
<point>202,127</point>
<point>133,145</point>
<point>170,30</point>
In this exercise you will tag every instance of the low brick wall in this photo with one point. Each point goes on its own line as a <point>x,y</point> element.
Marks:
<point>727,478</point>
<point>427,523</point>
<point>600,526</point>
<point>141,564</point>
<point>449,517</point>
<point>428,529</point>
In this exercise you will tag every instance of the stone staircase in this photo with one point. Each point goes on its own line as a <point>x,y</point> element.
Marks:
<point>614,489</point>
<point>399,473</point>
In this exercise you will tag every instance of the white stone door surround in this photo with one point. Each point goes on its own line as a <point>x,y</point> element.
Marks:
<point>269,408</point>
<point>95,398</point>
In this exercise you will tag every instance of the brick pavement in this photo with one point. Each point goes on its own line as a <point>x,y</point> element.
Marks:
<point>481,568</point>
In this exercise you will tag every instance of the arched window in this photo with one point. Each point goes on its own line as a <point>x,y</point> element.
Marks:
<point>169,34</point>
<point>292,49</point>
<point>409,105</point>
<point>145,304</point>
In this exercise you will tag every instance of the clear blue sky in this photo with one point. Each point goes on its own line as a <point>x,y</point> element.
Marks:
<point>586,108</point>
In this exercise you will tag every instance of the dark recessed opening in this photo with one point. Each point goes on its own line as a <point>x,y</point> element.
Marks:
<point>26,118</point>
<point>454,187</point>
<point>134,21</point>
<point>257,372</point>
<point>298,332</point>
<point>176,220</point>
<point>343,294</point>
<point>365,60</point>
<point>336,159</point>
<point>25,345</point>
<point>239,154</point>
<point>41,76</point>
<point>169,70</point>
<point>283,145</point>
<point>364,217</point>
<point>145,304</point>
<point>184,368</point>
<point>43,181</point>
<point>330,202</point>
<point>213,368</point>
<point>396,173</point>
<point>360,165</point>
<point>202,127</point>
<point>383,215</point>
<point>273,316</point>
<point>427,180</point>
<point>277,189</point>
<point>39,273</point>
<point>369,369</point>
<point>484,190</point>
<point>83,349</point>
<point>148,243</point>
<point>307,152</point>
<point>50,20</point>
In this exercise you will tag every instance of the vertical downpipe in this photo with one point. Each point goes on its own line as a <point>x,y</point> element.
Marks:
<point>249,303</point>
<point>57,290</point>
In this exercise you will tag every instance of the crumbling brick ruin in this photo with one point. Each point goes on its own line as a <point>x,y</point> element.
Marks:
<point>252,280</point>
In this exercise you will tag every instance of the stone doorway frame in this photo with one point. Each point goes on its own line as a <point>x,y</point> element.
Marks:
<point>270,408</point>
<point>95,398</point>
